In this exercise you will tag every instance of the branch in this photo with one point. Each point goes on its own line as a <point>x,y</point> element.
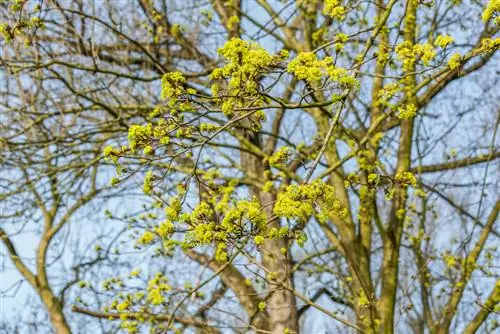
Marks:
<point>216,296</point>
<point>317,295</point>
<point>486,309</point>
<point>21,267</point>
<point>459,208</point>
<point>303,298</point>
<point>280,113</point>
<point>139,315</point>
<point>451,308</point>
<point>456,164</point>
<point>232,278</point>
<point>447,75</point>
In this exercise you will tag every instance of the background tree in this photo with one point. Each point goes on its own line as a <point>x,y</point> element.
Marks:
<point>55,187</point>
<point>316,157</point>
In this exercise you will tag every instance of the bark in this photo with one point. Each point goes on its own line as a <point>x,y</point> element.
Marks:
<point>52,304</point>
<point>55,310</point>
<point>281,302</point>
<point>392,241</point>
<point>233,279</point>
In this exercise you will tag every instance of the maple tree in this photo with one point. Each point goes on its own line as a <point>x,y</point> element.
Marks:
<point>304,152</point>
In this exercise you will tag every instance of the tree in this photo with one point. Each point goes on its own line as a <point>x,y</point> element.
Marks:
<point>316,157</point>
<point>54,184</point>
<point>50,180</point>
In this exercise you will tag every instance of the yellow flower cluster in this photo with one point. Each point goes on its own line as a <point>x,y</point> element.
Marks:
<point>443,41</point>
<point>165,229</point>
<point>220,252</point>
<point>143,136</point>
<point>135,272</point>
<point>209,127</point>
<point>366,160</point>
<point>387,93</point>
<point>373,179</point>
<point>108,150</point>
<point>268,186</point>
<point>148,150</point>
<point>232,22</point>
<point>146,238</point>
<point>341,76</point>
<point>157,287</point>
<point>306,66</point>
<point>236,219</point>
<point>139,135</point>
<point>408,53</point>
<point>490,44</point>
<point>407,111</point>
<point>340,39</point>
<point>406,179</point>
<point>258,239</point>
<point>147,187</point>
<point>112,153</point>
<point>318,37</point>
<point>130,326</point>
<point>22,27</point>
<point>280,157</point>
<point>454,61</point>
<point>426,52</point>
<point>173,210</point>
<point>172,86</point>
<point>492,8</point>
<point>245,62</point>
<point>302,201</point>
<point>219,219</point>
<point>334,9</point>
<point>129,305</point>
<point>244,210</point>
<point>384,53</point>
<point>450,261</point>
<point>275,233</point>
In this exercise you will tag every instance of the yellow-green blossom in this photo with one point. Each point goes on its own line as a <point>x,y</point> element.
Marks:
<point>406,179</point>
<point>492,8</point>
<point>334,9</point>
<point>454,61</point>
<point>407,111</point>
<point>443,41</point>
<point>306,66</point>
<point>172,86</point>
<point>147,238</point>
<point>280,157</point>
<point>259,240</point>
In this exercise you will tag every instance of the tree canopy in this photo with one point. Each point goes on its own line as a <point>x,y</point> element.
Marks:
<point>233,166</point>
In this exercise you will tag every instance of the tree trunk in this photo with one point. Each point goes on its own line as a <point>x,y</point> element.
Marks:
<point>55,310</point>
<point>281,305</point>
